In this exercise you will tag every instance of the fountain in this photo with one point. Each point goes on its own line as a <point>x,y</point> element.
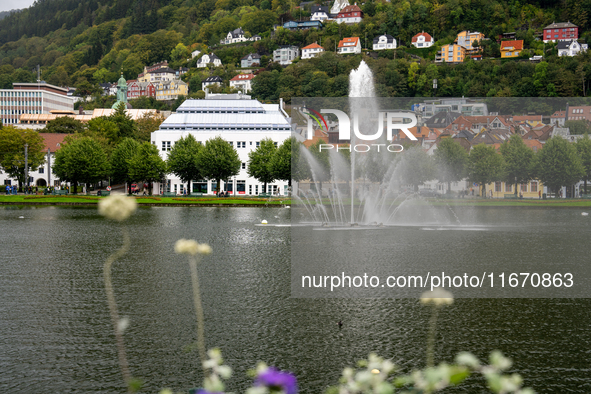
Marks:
<point>365,189</point>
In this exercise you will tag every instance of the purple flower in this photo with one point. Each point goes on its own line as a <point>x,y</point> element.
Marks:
<point>278,380</point>
<point>203,391</point>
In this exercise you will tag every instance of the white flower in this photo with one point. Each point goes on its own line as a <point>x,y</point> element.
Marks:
<point>117,207</point>
<point>437,297</point>
<point>190,246</point>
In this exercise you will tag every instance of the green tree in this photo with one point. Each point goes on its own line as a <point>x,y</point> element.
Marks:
<point>120,159</point>
<point>12,151</point>
<point>146,125</point>
<point>584,149</point>
<point>183,160</point>
<point>577,126</point>
<point>558,164</point>
<point>415,167</point>
<point>146,165</point>
<point>81,160</point>
<point>127,127</point>
<point>518,161</point>
<point>281,161</point>
<point>259,162</point>
<point>451,159</point>
<point>64,125</point>
<point>485,165</point>
<point>218,160</point>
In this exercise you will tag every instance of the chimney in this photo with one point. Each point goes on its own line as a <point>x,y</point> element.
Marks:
<point>81,110</point>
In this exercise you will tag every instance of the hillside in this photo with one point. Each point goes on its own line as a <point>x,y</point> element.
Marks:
<point>84,43</point>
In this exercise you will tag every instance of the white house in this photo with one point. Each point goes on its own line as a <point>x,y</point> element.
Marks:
<point>285,54</point>
<point>385,41</point>
<point>422,40</point>
<point>207,59</point>
<point>242,122</point>
<point>195,53</point>
<point>319,13</point>
<point>311,50</point>
<point>242,82</point>
<point>209,81</point>
<point>570,48</point>
<point>234,36</point>
<point>349,45</point>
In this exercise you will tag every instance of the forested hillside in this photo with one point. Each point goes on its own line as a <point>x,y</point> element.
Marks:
<point>86,42</point>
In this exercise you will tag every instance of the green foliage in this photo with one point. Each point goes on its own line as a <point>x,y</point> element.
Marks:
<point>120,159</point>
<point>81,160</point>
<point>579,127</point>
<point>183,159</point>
<point>146,165</point>
<point>280,162</point>
<point>451,159</point>
<point>64,125</point>
<point>218,160</point>
<point>485,165</point>
<point>584,150</point>
<point>12,151</point>
<point>416,167</point>
<point>518,161</point>
<point>558,164</point>
<point>259,164</point>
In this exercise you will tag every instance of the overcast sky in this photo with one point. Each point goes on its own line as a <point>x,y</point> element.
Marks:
<point>7,5</point>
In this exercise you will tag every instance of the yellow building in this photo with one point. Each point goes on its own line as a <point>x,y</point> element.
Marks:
<point>451,54</point>
<point>465,39</point>
<point>532,189</point>
<point>511,49</point>
<point>171,90</point>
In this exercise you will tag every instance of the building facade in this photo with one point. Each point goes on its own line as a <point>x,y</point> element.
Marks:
<point>570,48</point>
<point>32,98</point>
<point>466,40</point>
<point>350,14</point>
<point>561,32</point>
<point>511,49</point>
<point>242,82</point>
<point>171,90</point>
<point>319,13</point>
<point>312,50</point>
<point>349,45</point>
<point>210,81</point>
<point>422,40</point>
<point>385,41</point>
<point>241,122</point>
<point>137,89</point>
<point>451,54</point>
<point>250,60</point>
<point>208,59</point>
<point>285,54</point>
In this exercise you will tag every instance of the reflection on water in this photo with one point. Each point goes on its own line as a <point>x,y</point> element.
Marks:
<point>55,333</point>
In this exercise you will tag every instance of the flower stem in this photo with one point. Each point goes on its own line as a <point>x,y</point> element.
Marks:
<point>431,338</point>
<point>113,305</point>
<point>198,312</point>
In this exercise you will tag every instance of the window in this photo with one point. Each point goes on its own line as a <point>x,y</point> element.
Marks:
<point>533,186</point>
<point>241,187</point>
<point>165,146</point>
<point>508,187</point>
<point>497,186</point>
<point>524,187</point>
<point>41,170</point>
<point>243,166</point>
<point>258,143</point>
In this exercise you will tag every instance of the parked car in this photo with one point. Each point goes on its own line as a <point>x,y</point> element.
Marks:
<point>134,188</point>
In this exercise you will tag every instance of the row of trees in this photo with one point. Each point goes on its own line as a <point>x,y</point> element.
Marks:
<point>558,164</point>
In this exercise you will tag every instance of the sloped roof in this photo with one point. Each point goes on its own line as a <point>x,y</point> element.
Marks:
<point>53,141</point>
<point>252,56</point>
<point>426,35</point>
<point>213,79</point>
<point>565,44</point>
<point>389,38</point>
<point>348,40</point>
<point>312,46</point>
<point>515,44</point>
<point>318,8</point>
<point>167,70</point>
<point>350,8</point>
<point>243,77</point>
<point>559,25</point>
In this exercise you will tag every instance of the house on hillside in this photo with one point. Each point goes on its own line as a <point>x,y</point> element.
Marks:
<point>242,82</point>
<point>510,49</point>
<point>451,54</point>
<point>234,36</point>
<point>208,59</point>
<point>349,45</point>
<point>570,48</point>
<point>465,39</point>
<point>285,54</point>
<point>422,40</point>
<point>350,14</point>
<point>250,60</point>
<point>171,90</point>
<point>137,89</point>
<point>211,81</point>
<point>561,32</point>
<point>311,50</point>
<point>385,41</point>
<point>319,13</point>
<point>303,25</point>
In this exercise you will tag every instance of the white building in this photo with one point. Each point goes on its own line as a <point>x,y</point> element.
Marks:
<point>285,54</point>
<point>422,40</point>
<point>32,98</point>
<point>207,59</point>
<point>570,48</point>
<point>211,81</point>
<point>241,122</point>
<point>242,82</point>
<point>385,41</point>
<point>195,53</point>
<point>311,50</point>
<point>319,13</point>
<point>349,45</point>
